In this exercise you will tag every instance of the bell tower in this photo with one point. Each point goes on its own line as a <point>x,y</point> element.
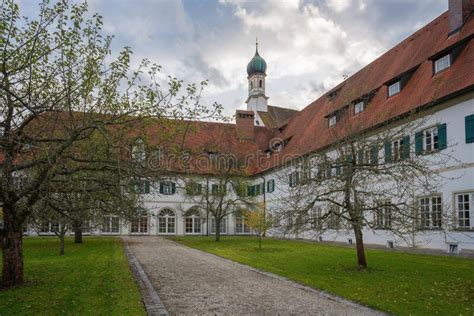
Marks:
<point>256,71</point>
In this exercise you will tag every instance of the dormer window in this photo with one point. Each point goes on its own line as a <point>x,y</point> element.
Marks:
<point>332,120</point>
<point>394,88</point>
<point>359,107</point>
<point>442,63</point>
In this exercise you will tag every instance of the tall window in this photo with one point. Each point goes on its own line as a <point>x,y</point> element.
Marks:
<point>260,83</point>
<point>138,151</point>
<point>430,139</point>
<point>332,120</point>
<point>241,226</point>
<point>167,188</point>
<point>111,225</point>
<point>166,222</point>
<point>442,63</point>
<point>383,215</point>
<point>394,89</point>
<point>333,219</point>
<point>222,228</point>
<point>139,225</point>
<point>192,222</point>
<point>430,212</point>
<point>315,217</point>
<point>464,203</point>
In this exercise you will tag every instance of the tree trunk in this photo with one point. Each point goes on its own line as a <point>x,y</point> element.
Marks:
<point>78,235</point>
<point>12,250</point>
<point>260,242</point>
<point>361,261</point>
<point>218,230</point>
<point>61,247</point>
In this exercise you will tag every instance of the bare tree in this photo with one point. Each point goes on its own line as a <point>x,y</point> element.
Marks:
<point>59,87</point>
<point>367,180</point>
<point>223,193</point>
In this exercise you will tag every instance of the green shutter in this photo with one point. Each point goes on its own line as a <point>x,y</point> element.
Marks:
<point>147,187</point>
<point>388,151</point>
<point>161,187</point>
<point>249,190</point>
<point>418,143</point>
<point>173,188</point>
<point>271,186</point>
<point>442,136</point>
<point>338,170</point>
<point>360,157</point>
<point>290,180</point>
<point>406,147</point>
<point>297,177</point>
<point>469,125</point>
<point>374,155</point>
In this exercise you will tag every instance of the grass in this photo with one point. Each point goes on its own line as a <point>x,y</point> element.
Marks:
<point>92,278</point>
<point>399,283</point>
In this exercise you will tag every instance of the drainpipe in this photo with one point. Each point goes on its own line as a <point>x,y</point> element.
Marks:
<point>207,206</point>
<point>264,199</point>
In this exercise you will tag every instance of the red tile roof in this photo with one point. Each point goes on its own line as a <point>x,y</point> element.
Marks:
<point>309,130</point>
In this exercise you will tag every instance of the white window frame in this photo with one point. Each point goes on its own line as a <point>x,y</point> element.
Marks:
<point>431,212</point>
<point>167,220</point>
<point>109,230</point>
<point>359,107</point>
<point>398,148</point>
<point>332,120</point>
<point>194,221</point>
<point>223,228</point>
<point>383,216</point>
<point>167,188</point>
<point>430,139</point>
<point>442,63</point>
<point>394,88</point>
<point>466,207</point>
<point>141,228</point>
<point>241,227</point>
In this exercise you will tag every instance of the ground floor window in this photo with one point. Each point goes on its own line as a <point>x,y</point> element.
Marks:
<point>111,225</point>
<point>430,212</point>
<point>222,228</point>
<point>464,203</point>
<point>47,227</point>
<point>139,225</point>
<point>333,219</point>
<point>383,216</point>
<point>166,222</point>
<point>241,226</point>
<point>192,222</point>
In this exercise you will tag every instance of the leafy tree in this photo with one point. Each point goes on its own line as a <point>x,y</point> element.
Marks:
<point>259,222</point>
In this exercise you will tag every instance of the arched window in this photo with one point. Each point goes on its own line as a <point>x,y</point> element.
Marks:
<point>139,225</point>
<point>166,222</point>
<point>138,151</point>
<point>192,221</point>
<point>260,83</point>
<point>251,85</point>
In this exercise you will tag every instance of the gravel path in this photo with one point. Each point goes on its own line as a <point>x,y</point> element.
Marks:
<point>192,282</point>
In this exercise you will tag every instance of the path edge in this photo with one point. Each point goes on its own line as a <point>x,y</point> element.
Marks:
<point>153,304</point>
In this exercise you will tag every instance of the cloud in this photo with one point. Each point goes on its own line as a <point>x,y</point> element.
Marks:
<point>308,44</point>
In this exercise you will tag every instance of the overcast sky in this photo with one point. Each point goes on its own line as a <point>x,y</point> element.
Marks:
<point>308,45</point>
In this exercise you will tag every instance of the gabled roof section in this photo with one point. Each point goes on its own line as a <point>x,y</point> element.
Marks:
<point>276,116</point>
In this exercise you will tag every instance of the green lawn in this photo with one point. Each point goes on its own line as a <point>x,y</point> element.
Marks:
<point>90,279</point>
<point>398,283</point>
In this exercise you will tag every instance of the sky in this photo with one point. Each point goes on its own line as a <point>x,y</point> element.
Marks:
<point>309,45</point>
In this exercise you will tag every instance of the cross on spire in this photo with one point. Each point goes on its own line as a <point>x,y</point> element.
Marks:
<point>256,45</point>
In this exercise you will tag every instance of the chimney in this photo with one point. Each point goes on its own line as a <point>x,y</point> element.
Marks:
<point>245,125</point>
<point>458,12</point>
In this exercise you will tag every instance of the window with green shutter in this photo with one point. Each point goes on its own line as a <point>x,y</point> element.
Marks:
<point>442,136</point>
<point>388,152</point>
<point>469,126</point>
<point>419,142</point>
<point>406,147</point>
<point>374,155</point>
<point>270,186</point>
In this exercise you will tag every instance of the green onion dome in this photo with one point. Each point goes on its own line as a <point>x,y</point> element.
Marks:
<point>257,64</point>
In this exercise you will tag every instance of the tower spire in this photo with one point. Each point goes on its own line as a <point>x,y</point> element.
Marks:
<point>256,45</point>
